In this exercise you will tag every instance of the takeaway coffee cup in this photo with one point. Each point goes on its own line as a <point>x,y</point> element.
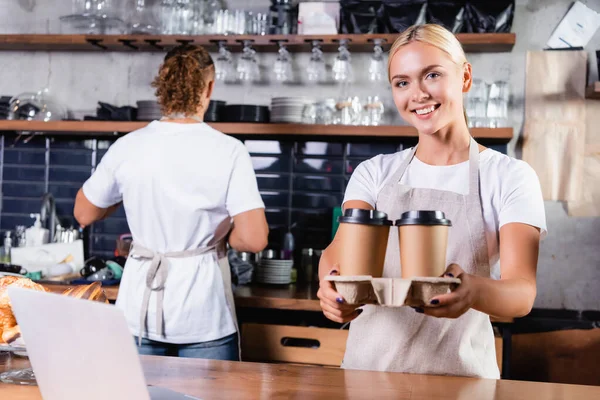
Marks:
<point>363,237</point>
<point>423,239</point>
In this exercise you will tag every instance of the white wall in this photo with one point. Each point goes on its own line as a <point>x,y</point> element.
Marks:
<point>569,267</point>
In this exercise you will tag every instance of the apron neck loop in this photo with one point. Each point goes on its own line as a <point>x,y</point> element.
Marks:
<point>473,167</point>
<point>182,116</point>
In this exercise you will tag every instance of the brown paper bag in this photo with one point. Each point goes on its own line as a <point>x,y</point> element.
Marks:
<point>588,205</point>
<point>554,131</point>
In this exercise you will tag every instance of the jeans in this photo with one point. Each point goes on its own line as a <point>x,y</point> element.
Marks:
<point>225,348</point>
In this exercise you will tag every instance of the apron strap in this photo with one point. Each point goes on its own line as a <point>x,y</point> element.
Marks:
<point>402,169</point>
<point>156,279</point>
<point>474,172</point>
<point>473,169</point>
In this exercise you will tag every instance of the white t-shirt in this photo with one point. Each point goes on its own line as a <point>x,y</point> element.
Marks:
<point>178,182</point>
<point>509,188</point>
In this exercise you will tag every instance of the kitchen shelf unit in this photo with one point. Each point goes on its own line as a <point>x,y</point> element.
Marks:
<point>593,91</point>
<point>109,128</point>
<point>472,42</point>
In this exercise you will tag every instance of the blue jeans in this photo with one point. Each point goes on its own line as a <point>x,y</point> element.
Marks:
<point>225,348</point>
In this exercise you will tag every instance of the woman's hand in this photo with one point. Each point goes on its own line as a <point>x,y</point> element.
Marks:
<point>333,304</point>
<point>459,301</point>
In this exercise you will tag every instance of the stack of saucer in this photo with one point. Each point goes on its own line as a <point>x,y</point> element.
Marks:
<point>277,272</point>
<point>288,109</point>
<point>148,110</point>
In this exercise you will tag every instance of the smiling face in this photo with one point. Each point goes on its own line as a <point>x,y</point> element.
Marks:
<point>428,87</point>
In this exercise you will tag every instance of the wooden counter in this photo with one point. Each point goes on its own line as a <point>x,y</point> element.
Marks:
<point>209,379</point>
<point>289,297</point>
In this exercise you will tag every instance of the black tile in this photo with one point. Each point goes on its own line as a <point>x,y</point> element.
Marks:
<point>65,206</point>
<point>22,189</point>
<point>24,173</point>
<point>277,216</point>
<point>275,199</point>
<point>315,200</point>
<point>103,144</point>
<point>272,182</point>
<point>25,156</point>
<point>63,191</point>
<point>276,237</point>
<point>73,174</point>
<point>320,149</point>
<point>37,142</point>
<point>502,148</point>
<point>67,221</point>
<point>320,183</point>
<point>318,166</point>
<point>268,147</point>
<point>408,142</point>
<point>351,166</point>
<point>119,213</point>
<point>10,221</point>
<point>112,225</point>
<point>80,158</point>
<point>312,238</point>
<point>105,255</point>
<point>103,242</point>
<point>18,205</point>
<point>372,149</point>
<point>62,143</point>
<point>313,219</point>
<point>271,164</point>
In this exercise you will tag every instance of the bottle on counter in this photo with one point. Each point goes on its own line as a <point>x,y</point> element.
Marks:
<point>36,235</point>
<point>307,266</point>
<point>20,240</point>
<point>6,248</point>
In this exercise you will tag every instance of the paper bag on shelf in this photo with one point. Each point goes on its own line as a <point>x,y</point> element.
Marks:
<point>554,131</point>
<point>588,205</point>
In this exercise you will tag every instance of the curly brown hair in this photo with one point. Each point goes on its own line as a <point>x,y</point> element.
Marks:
<point>182,79</point>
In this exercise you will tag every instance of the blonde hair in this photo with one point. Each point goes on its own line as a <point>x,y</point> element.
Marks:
<point>434,35</point>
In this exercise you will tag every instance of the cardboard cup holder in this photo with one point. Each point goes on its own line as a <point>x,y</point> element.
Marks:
<point>391,292</point>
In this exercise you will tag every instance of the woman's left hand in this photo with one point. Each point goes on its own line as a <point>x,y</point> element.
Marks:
<point>459,301</point>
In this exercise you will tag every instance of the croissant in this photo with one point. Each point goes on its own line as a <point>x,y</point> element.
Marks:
<point>9,330</point>
<point>92,292</point>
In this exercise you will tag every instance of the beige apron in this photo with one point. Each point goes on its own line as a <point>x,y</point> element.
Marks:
<point>157,277</point>
<point>402,340</point>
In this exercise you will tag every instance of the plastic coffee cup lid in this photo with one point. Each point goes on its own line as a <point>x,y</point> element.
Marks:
<point>364,217</point>
<point>423,218</point>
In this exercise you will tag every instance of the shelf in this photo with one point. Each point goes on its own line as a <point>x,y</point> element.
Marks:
<point>108,128</point>
<point>593,91</point>
<point>472,42</point>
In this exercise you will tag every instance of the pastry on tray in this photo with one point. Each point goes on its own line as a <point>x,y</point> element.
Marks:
<point>9,330</point>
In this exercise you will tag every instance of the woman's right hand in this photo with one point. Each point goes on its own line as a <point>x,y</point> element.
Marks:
<point>333,304</point>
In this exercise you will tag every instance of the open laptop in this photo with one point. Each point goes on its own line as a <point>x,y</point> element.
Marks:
<point>81,349</point>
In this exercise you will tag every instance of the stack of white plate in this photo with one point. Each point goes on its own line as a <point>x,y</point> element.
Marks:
<point>288,109</point>
<point>278,272</point>
<point>148,110</point>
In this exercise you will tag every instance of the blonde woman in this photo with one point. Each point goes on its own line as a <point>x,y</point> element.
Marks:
<point>497,213</point>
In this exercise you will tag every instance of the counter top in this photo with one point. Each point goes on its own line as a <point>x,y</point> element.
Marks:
<point>285,297</point>
<point>209,379</point>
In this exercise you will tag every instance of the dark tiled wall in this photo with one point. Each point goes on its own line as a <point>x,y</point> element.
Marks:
<point>300,183</point>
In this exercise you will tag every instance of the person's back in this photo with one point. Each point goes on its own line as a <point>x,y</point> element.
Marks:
<point>189,177</point>
<point>186,188</point>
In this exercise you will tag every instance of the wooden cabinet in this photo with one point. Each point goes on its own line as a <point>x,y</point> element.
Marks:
<point>293,344</point>
<point>302,345</point>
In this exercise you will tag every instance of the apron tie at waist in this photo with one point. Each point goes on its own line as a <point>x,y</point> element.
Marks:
<point>156,279</point>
